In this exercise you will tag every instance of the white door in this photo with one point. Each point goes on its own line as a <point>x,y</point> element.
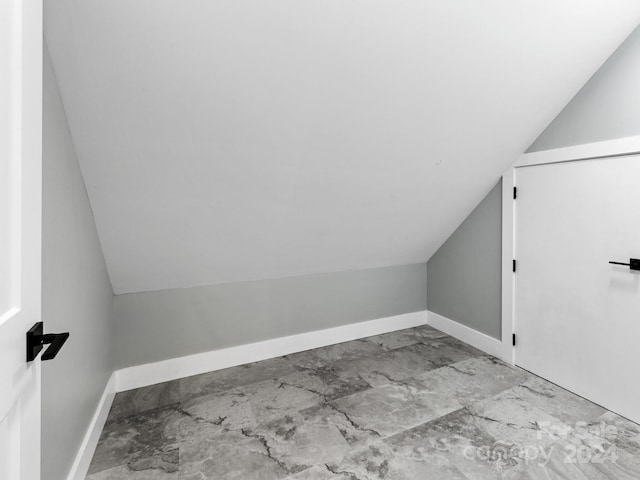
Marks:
<point>20,218</point>
<point>577,317</point>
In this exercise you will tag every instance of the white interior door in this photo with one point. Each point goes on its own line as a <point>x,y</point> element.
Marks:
<point>577,317</point>
<point>20,238</point>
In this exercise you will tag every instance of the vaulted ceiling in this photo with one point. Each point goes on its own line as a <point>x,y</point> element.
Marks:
<point>231,140</point>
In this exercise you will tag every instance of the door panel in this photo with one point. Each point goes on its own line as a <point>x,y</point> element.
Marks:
<point>20,234</point>
<point>578,317</point>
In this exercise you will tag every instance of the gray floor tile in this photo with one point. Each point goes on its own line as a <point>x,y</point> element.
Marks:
<point>273,399</point>
<point>458,438</point>
<point>409,405</point>
<point>230,378</point>
<point>404,338</point>
<point>474,379</point>
<point>138,441</point>
<point>342,352</point>
<point>126,473</point>
<point>144,399</point>
<point>319,472</point>
<point>559,402</point>
<point>392,408</point>
<point>583,462</point>
<point>303,439</point>
<point>381,461</point>
<point>390,366</point>
<point>228,410</point>
<point>329,382</point>
<point>510,418</point>
<point>621,432</point>
<point>232,454</point>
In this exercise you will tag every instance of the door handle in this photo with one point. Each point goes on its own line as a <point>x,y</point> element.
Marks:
<point>36,339</point>
<point>634,263</point>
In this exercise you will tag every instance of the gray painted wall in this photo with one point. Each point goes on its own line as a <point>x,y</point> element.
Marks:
<point>76,295</point>
<point>464,275</point>
<point>153,326</point>
<point>607,107</point>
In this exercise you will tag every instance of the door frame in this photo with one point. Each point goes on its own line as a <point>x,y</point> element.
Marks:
<point>20,400</point>
<point>587,151</point>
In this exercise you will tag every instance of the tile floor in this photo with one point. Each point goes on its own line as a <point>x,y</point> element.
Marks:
<point>409,405</point>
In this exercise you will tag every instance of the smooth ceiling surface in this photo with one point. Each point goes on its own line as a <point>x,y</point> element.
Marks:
<point>231,140</point>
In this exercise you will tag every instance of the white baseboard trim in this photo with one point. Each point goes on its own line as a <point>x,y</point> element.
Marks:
<point>468,335</point>
<point>163,371</point>
<point>81,464</point>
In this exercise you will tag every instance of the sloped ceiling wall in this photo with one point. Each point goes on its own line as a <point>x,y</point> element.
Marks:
<point>230,140</point>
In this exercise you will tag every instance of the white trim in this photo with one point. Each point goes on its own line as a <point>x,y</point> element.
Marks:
<point>609,148</point>
<point>508,254</point>
<point>163,371</point>
<point>468,335</point>
<point>89,443</point>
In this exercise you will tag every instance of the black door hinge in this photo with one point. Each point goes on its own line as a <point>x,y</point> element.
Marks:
<point>514,265</point>
<point>514,339</point>
<point>515,192</point>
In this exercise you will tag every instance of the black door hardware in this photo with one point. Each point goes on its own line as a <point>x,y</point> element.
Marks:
<point>634,263</point>
<point>36,339</point>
